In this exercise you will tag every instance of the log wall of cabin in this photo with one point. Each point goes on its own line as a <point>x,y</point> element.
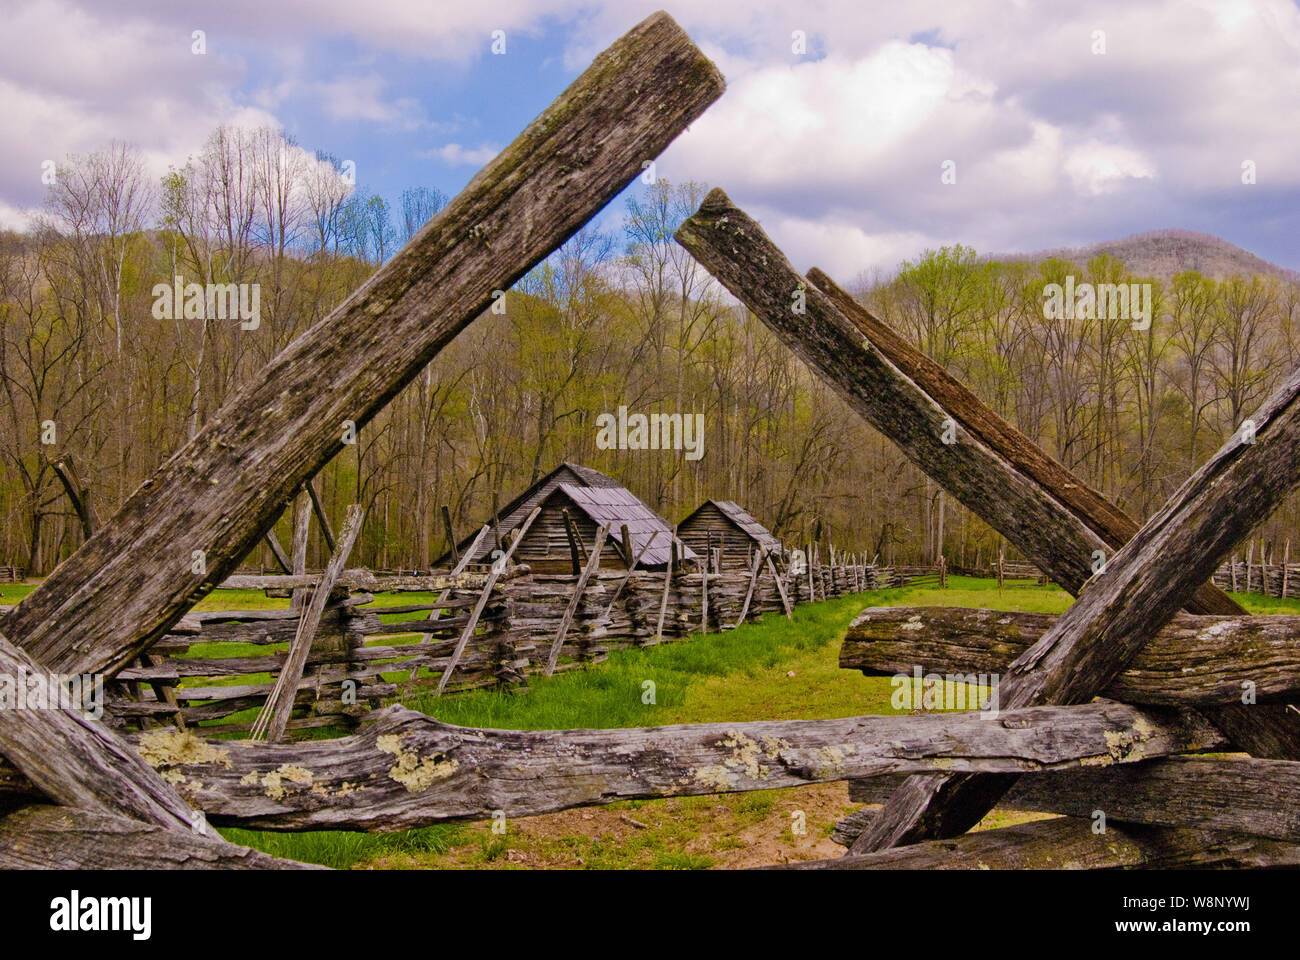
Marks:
<point>737,545</point>
<point>545,548</point>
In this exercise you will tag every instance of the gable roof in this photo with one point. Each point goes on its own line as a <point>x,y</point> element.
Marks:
<point>516,511</point>
<point>742,519</point>
<point>618,506</point>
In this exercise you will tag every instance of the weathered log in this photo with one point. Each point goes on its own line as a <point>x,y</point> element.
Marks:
<point>326,531</point>
<point>220,492</point>
<point>358,579</point>
<point>74,759</point>
<point>404,769</point>
<point>733,247</point>
<point>63,838</point>
<point>1191,661</point>
<point>1110,523</point>
<point>1133,596</point>
<point>1065,843</point>
<point>1234,794</point>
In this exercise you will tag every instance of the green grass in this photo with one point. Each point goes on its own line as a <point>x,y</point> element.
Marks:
<point>772,669</point>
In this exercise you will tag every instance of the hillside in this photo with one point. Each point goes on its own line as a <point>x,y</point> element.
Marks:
<point>1163,253</point>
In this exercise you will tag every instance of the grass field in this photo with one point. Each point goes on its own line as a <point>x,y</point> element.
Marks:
<point>769,670</point>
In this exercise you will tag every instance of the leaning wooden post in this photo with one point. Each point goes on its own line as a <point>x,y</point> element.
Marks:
<point>625,548</point>
<point>704,583</point>
<point>668,582</point>
<point>1286,561</point>
<point>1141,589</point>
<point>278,551</point>
<point>301,529</point>
<point>618,592</point>
<point>576,549</point>
<point>461,564</point>
<point>498,566</point>
<point>753,581</point>
<point>78,494</point>
<point>593,561</point>
<point>326,531</point>
<point>274,718</point>
<point>451,535</point>
<point>780,589</point>
<point>219,492</point>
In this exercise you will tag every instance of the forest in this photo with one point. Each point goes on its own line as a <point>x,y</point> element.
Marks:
<point>96,374</point>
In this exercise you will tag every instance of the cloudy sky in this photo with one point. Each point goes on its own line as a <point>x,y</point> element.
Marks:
<point>839,150</point>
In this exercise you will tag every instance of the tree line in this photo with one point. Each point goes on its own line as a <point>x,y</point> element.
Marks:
<point>92,370</point>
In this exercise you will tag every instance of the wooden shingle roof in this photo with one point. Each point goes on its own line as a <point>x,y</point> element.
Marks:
<point>577,477</point>
<point>744,520</point>
<point>618,506</point>
<point>516,511</point>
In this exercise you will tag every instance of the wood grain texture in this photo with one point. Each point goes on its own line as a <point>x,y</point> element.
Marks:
<point>1234,794</point>
<point>75,760</point>
<point>1110,523</point>
<point>1140,590</point>
<point>1065,843</point>
<point>221,491</point>
<point>733,247</point>
<point>62,838</point>
<point>405,769</point>
<point>1191,661</point>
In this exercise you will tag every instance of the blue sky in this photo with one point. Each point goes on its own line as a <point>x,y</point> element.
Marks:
<point>837,149</point>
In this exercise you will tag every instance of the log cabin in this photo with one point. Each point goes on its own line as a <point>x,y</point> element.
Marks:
<point>590,499</point>
<point>727,525</point>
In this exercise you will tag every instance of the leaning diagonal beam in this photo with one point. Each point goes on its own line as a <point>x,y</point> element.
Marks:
<point>735,250</point>
<point>1110,523</point>
<point>63,838</point>
<point>216,496</point>
<point>73,759</point>
<point>407,770</point>
<point>1139,591</point>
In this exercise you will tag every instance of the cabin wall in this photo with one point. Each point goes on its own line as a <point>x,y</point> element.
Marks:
<point>737,546</point>
<point>545,548</point>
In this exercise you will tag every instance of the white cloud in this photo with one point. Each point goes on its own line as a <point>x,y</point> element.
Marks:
<point>455,155</point>
<point>1097,168</point>
<point>845,143</point>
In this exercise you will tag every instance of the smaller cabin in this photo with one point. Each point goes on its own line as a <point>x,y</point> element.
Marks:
<point>726,525</point>
<point>546,546</point>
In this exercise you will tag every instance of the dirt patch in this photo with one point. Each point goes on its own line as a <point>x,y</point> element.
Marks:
<point>775,841</point>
